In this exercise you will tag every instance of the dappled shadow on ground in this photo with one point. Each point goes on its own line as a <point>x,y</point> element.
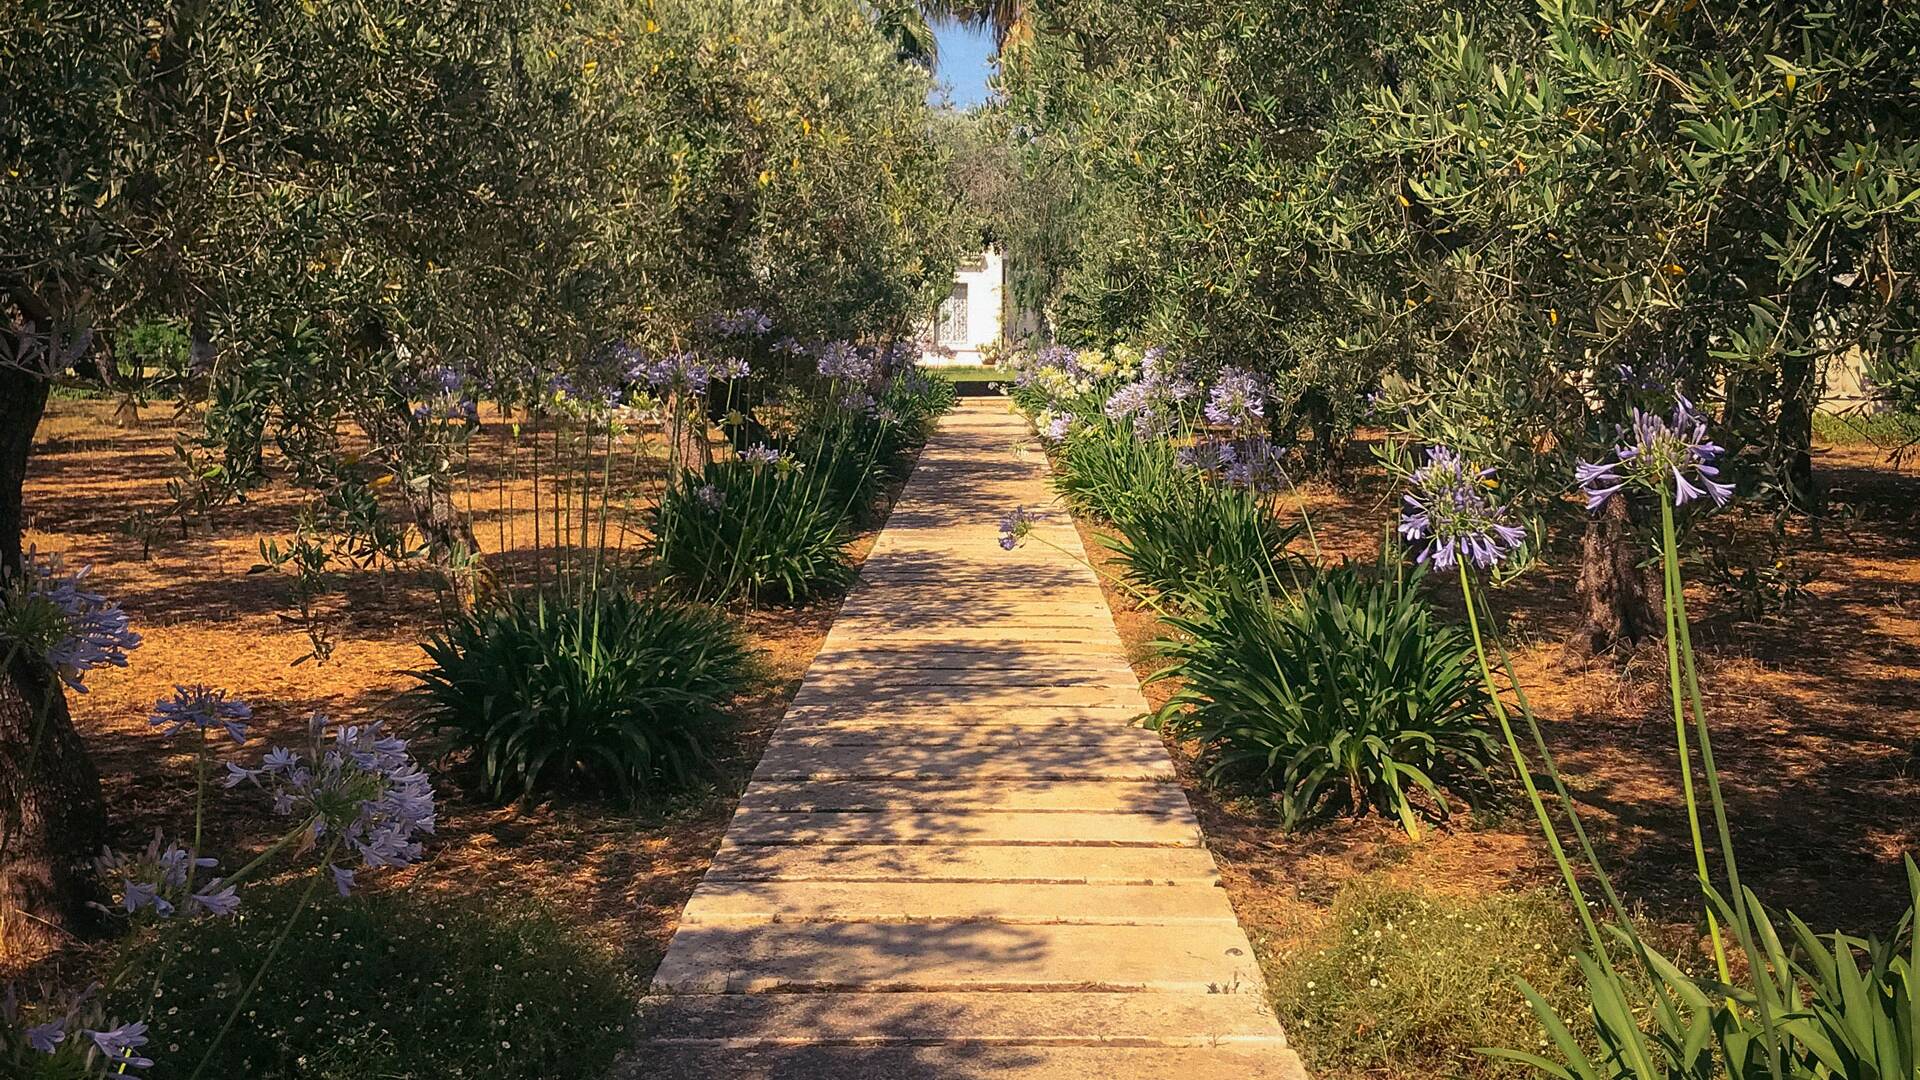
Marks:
<point>908,1059</point>
<point>622,875</point>
<point>1815,718</point>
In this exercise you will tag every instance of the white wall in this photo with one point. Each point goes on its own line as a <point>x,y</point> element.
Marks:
<point>985,279</point>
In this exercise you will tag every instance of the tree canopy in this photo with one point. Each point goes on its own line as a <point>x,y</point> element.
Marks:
<point>1540,208</point>
<point>338,205</point>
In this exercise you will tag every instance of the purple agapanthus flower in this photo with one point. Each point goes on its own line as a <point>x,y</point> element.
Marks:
<point>760,454</point>
<point>464,409</point>
<point>1015,526</point>
<point>746,322</point>
<point>200,706</point>
<point>682,372</point>
<point>1203,455</point>
<point>160,879</point>
<point>217,899</point>
<point>1129,400</point>
<point>46,1038</point>
<point>1253,462</point>
<point>845,360</point>
<point>361,786</point>
<point>1154,401</point>
<point>1061,426</point>
<point>50,611</point>
<point>342,879</point>
<point>119,1045</point>
<point>1238,400</point>
<point>444,379</point>
<point>1153,363</point>
<point>1663,449</point>
<point>710,497</point>
<point>1449,508</point>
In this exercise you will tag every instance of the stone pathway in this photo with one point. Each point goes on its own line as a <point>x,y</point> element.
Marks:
<point>958,859</point>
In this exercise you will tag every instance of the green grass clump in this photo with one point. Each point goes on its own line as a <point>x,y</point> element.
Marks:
<point>394,986</point>
<point>1104,472</point>
<point>1203,538</point>
<point>1889,429</point>
<point>1406,982</point>
<point>969,373</point>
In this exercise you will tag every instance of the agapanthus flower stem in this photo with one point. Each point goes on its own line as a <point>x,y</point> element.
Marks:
<point>304,828</point>
<point>266,963</point>
<point>1525,772</point>
<point>1306,519</point>
<point>1552,769</point>
<point>1681,632</point>
<point>199,806</point>
<point>1671,587</point>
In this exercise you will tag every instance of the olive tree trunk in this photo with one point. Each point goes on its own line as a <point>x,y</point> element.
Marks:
<point>52,814</point>
<point>426,485</point>
<point>685,417</point>
<point>447,528</point>
<point>1615,608</point>
<point>1793,449</point>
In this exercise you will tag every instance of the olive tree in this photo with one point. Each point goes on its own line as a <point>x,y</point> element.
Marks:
<point>1524,220</point>
<point>336,198</point>
<point>322,193</point>
<point>1174,135</point>
<point>1622,206</point>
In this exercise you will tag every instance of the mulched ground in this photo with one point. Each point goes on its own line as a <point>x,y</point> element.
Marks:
<point>1816,715</point>
<point>622,875</point>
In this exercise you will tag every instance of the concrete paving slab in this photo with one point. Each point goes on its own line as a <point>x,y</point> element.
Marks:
<point>1059,675</point>
<point>1014,656</point>
<point>1061,1019</point>
<point>742,902</point>
<point>907,694</point>
<point>982,633</point>
<point>1105,796</point>
<point>979,862</point>
<point>1119,758</point>
<point>1011,740</point>
<point>966,1062</point>
<point>965,827</point>
<point>911,719</point>
<point>943,956</point>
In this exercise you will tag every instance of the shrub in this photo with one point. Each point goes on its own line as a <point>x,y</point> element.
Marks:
<point>1204,538</point>
<point>860,449</point>
<point>1407,982</point>
<point>755,532</point>
<point>918,399</point>
<point>1104,471</point>
<point>1350,696</point>
<point>612,692</point>
<point>398,985</point>
<point>775,529</point>
<point>1181,534</point>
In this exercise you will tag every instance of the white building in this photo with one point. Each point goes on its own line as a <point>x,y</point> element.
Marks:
<point>969,320</point>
